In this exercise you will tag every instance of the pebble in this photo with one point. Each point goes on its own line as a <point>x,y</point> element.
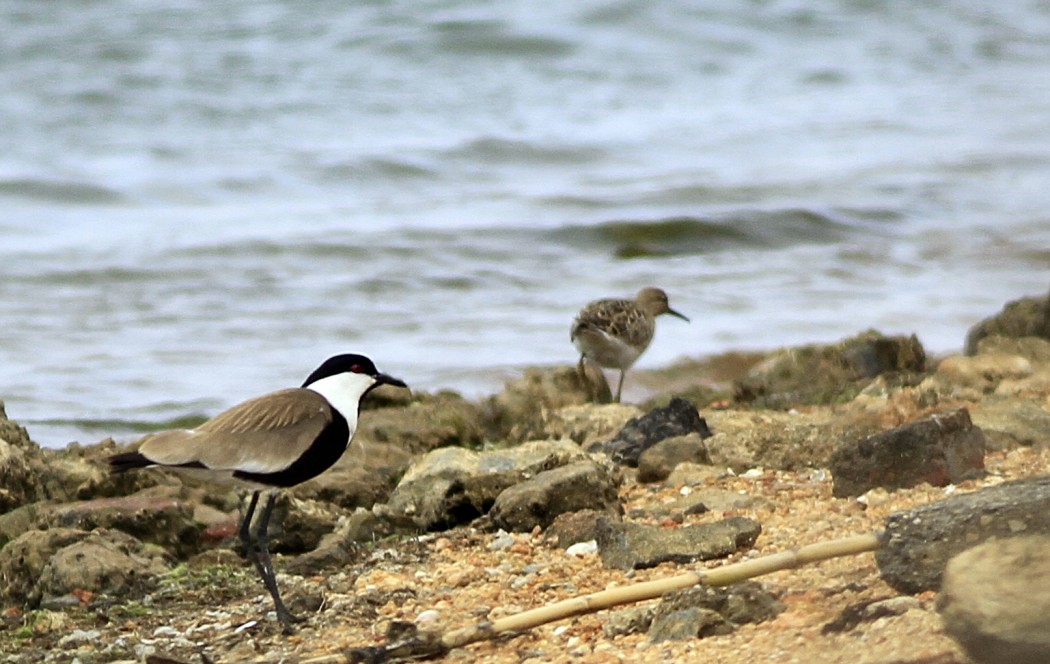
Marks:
<point>166,631</point>
<point>580,549</point>
<point>502,541</point>
<point>428,616</point>
<point>79,635</point>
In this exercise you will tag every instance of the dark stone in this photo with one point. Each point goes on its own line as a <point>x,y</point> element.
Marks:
<point>918,543</point>
<point>538,501</point>
<point>939,449</point>
<point>297,526</point>
<point>574,527</point>
<point>834,373</point>
<point>637,546</point>
<point>678,418</point>
<point>656,463</point>
<point>704,611</point>
<point>858,614</point>
<point>995,601</point>
<point>1026,317</point>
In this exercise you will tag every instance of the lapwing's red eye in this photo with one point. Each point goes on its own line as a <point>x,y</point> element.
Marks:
<point>357,368</point>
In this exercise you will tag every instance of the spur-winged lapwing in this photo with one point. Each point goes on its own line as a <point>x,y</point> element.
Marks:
<point>277,440</point>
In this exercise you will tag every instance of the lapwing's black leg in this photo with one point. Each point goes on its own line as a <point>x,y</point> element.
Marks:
<point>265,565</point>
<point>246,522</point>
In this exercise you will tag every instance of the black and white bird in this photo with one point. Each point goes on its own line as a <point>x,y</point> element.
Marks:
<point>613,333</point>
<point>271,442</point>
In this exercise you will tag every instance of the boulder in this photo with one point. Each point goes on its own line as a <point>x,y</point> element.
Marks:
<point>977,375</point>
<point>23,559</point>
<point>918,543</point>
<point>1025,317</point>
<point>835,373</point>
<point>20,481</point>
<point>1012,423</point>
<point>517,413</point>
<point>160,515</point>
<point>938,449</point>
<point>995,600</point>
<point>452,486</point>
<point>785,441</point>
<point>106,561</point>
<point>443,420</point>
<point>588,424</point>
<point>297,525</point>
<point>538,501</point>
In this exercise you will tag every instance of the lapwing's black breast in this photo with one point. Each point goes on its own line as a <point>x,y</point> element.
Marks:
<point>319,457</point>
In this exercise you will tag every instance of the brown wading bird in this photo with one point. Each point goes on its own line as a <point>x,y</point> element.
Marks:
<point>613,333</point>
<point>270,442</point>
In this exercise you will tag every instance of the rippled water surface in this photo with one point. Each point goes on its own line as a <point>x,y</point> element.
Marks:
<point>199,202</point>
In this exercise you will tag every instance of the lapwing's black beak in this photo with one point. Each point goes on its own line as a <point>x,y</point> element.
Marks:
<point>675,313</point>
<point>383,379</point>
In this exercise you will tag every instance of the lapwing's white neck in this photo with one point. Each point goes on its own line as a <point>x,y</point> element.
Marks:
<point>344,392</point>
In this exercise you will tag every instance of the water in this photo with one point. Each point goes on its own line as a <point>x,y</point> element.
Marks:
<point>200,202</point>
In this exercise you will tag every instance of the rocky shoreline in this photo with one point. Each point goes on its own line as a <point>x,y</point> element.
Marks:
<point>448,512</point>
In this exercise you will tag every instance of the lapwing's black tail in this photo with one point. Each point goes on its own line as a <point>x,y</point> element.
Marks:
<point>118,463</point>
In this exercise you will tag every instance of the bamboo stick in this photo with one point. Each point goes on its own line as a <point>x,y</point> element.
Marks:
<point>436,645</point>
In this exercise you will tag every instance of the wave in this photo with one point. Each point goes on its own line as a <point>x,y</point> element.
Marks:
<point>684,235</point>
<point>79,193</point>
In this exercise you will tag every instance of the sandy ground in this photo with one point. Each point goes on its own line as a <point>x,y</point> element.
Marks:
<point>214,612</point>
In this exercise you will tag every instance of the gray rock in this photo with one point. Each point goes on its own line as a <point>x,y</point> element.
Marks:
<point>442,420</point>
<point>938,449</point>
<point>538,501</point>
<point>1010,423</point>
<point>349,488</point>
<point>24,558</point>
<point>637,546</point>
<point>1025,317</point>
<point>746,439</point>
<point>656,463</point>
<point>974,377</point>
<point>703,611</point>
<point>919,543</point>
<point>995,601</point>
<point>42,565</point>
<point>453,486</point>
<point>20,483</point>
<point>817,374</point>
<point>297,526</point>
<point>106,561</point>
<point>518,413</point>
<point>678,418</point>
<point>1034,349</point>
<point>588,424</point>
<point>632,620</point>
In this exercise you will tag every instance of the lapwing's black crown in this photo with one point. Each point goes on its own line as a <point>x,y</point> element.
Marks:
<point>348,363</point>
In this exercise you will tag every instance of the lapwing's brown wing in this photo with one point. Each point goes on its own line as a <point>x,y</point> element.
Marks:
<point>262,435</point>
